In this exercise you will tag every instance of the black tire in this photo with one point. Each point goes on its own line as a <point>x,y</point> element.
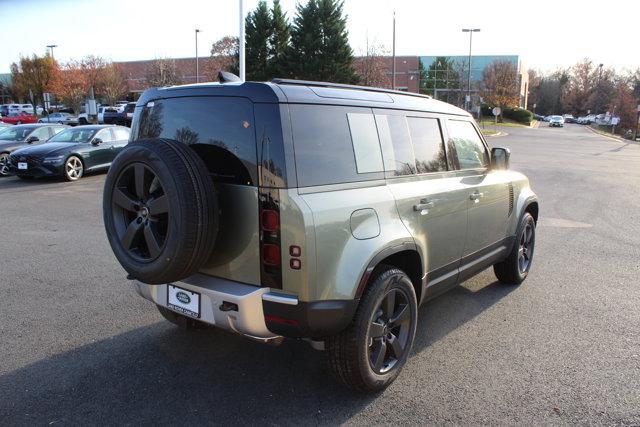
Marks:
<point>83,121</point>
<point>183,322</point>
<point>352,352</point>
<point>169,178</point>
<point>514,269</point>
<point>25,177</point>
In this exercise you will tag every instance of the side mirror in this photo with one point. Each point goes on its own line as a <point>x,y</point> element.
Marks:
<point>32,139</point>
<point>500,158</point>
<point>96,141</point>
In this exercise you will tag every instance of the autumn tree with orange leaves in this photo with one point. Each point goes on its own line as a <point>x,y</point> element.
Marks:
<point>71,84</point>
<point>501,86</point>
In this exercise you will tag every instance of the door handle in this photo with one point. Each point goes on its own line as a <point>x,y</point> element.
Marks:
<point>423,206</point>
<point>476,196</point>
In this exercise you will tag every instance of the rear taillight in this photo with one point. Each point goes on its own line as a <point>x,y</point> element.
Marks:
<point>270,220</point>
<point>271,254</point>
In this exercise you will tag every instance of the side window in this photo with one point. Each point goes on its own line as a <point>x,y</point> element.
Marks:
<point>105,135</point>
<point>428,145</point>
<point>57,129</point>
<point>41,133</point>
<point>324,149</point>
<point>121,134</point>
<point>465,146</point>
<point>366,146</point>
<point>396,144</point>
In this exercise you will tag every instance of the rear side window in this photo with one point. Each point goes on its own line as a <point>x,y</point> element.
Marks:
<point>220,129</point>
<point>324,149</point>
<point>396,144</point>
<point>428,145</point>
<point>121,133</point>
<point>465,145</point>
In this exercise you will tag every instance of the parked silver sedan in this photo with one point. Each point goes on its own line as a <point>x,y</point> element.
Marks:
<point>62,118</point>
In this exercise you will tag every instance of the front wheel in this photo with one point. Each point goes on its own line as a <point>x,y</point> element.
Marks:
<point>515,268</point>
<point>4,167</point>
<point>370,353</point>
<point>73,169</point>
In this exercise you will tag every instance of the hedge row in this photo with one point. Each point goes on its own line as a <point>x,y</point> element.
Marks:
<point>516,114</point>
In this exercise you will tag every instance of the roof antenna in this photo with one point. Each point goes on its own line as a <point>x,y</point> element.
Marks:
<point>227,77</point>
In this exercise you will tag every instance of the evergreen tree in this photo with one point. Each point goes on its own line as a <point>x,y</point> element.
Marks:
<point>278,41</point>
<point>319,43</point>
<point>258,31</point>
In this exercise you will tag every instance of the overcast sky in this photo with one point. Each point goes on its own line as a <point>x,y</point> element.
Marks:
<point>545,33</point>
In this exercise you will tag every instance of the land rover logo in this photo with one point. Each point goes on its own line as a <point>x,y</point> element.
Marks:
<point>183,297</point>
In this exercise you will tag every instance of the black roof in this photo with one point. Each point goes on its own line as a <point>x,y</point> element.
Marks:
<point>307,92</point>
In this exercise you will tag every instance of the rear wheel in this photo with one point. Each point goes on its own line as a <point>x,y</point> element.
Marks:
<point>515,268</point>
<point>370,353</point>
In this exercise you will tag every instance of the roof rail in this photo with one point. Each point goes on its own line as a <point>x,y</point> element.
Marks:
<point>344,86</point>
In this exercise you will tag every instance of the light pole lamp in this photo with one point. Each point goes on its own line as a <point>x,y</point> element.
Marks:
<point>51,46</point>
<point>197,63</point>
<point>470,31</point>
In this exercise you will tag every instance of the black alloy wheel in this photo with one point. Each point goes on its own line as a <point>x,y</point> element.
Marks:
<point>389,331</point>
<point>140,212</point>
<point>525,248</point>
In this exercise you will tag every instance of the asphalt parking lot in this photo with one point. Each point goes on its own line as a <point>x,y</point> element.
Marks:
<point>78,346</point>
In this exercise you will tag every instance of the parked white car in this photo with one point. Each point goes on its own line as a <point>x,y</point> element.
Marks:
<point>27,108</point>
<point>83,118</point>
<point>62,118</point>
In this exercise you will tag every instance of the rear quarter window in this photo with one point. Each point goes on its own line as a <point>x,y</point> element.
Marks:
<point>324,145</point>
<point>220,129</point>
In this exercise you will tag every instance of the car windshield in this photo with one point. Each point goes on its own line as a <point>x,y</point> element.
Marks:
<point>74,135</point>
<point>556,118</point>
<point>15,133</point>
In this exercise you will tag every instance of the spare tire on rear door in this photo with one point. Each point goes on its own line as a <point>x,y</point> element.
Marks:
<point>160,210</point>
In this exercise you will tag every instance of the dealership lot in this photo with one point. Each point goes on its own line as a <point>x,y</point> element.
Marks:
<point>77,343</point>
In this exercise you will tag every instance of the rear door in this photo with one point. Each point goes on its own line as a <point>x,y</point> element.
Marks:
<point>430,197</point>
<point>487,192</point>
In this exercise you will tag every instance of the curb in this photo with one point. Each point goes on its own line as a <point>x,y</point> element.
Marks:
<point>496,135</point>
<point>612,137</point>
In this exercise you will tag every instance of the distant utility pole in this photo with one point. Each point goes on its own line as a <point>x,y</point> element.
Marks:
<point>393,55</point>
<point>241,44</point>
<point>470,31</point>
<point>51,46</point>
<point>197,63</point>
<point>598,91</point>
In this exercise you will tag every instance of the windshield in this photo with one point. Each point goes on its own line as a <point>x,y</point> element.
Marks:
<point>556,117</point>
<point>74,135</point>
<point>15,133</point>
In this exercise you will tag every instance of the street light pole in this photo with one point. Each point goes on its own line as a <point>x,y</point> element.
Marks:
<point>470,31</point>
<point>241,68</point>
<point>598,92</point>
<point>51,46</point>
<point>197,63</point>
<point>393,55</point>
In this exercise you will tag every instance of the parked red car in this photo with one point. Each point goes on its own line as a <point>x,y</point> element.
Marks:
<point>20,118</point>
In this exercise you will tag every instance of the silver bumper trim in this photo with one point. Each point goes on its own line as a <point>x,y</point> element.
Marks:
<point>248,319</point>
<point>280,298</point>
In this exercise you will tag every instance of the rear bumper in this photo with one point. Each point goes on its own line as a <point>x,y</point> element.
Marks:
<point>257,313</point>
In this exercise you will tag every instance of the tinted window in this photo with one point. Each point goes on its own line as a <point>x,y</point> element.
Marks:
<point>105,135</point>
<point>219,129</point>
<point>366,146</point>
<point>323,147</point>
<point>396,144</point>
<point>465,145</point>
<point>42,134</point>
<point>427,144</point>
<point>57,129</point>
<point>121,133</point>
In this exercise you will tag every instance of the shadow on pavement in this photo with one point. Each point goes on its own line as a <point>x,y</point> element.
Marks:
<point>160,374</point>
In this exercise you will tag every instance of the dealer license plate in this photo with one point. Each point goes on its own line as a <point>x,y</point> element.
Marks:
<point>183,301</point>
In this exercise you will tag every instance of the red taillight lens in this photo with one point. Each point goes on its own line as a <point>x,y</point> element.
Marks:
<point>271,254</point>
<point>270,220</point>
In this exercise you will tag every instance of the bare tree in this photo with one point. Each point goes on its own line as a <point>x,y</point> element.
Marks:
<point>163,72</point>
<point>501,88</point>
<point>93,67</point>
<point>372,67</point>
<point>114,84</point>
